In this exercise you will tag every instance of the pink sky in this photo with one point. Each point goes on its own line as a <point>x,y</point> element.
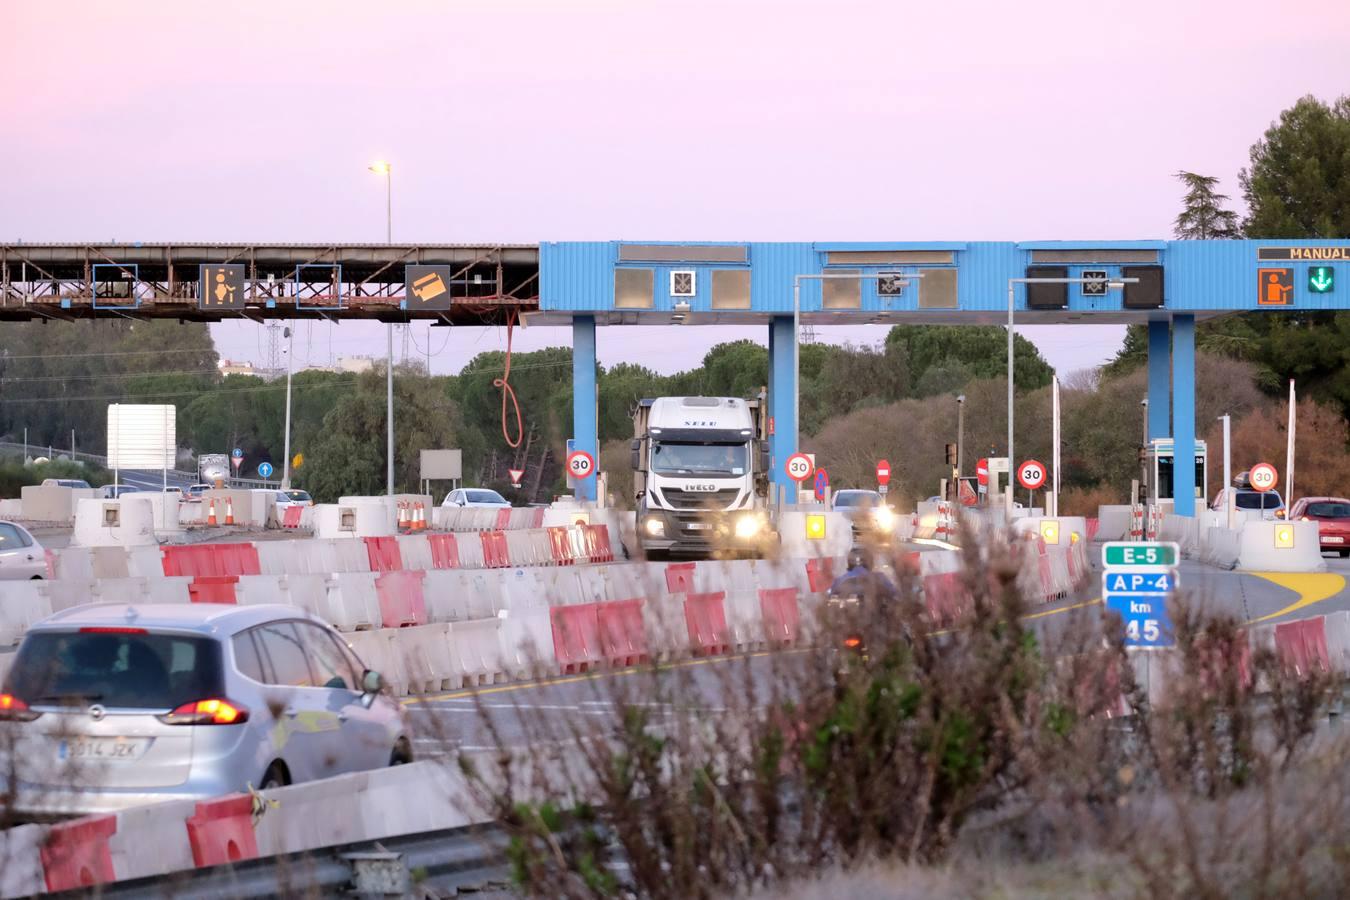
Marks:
<point>601,119</point>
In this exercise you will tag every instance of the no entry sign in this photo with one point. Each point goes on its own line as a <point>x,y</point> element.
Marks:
<point>884,472</point>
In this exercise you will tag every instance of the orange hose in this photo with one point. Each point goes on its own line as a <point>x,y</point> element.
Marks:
<point>507,390</point>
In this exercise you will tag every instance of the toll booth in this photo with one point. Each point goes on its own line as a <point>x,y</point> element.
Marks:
<point>1159,459</point>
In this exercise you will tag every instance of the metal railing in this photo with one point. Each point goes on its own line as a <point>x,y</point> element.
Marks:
<point>180,475</point>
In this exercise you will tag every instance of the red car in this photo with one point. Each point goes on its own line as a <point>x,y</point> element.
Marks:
<point>1332,515</point>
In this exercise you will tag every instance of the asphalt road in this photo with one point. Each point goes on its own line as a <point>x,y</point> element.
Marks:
<point>564,709</point>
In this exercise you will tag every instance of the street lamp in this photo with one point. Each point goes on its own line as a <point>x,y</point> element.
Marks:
<point>1112,285</point>
<point>379,167</point>
<point>290,367</point>
<point>960,439</point>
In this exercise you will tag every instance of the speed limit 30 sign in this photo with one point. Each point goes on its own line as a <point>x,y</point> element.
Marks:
<point>799,467</point>
<point>1031,474</point>
<point>1263,477</point>
<point>580,464</point>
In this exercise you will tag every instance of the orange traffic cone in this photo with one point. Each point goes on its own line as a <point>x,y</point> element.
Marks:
<point>420,518</point>
<point>229,510</point>
<point>402,516</point>
<point>211,515</point>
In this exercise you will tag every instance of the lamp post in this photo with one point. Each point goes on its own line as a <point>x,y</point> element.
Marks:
<point>290,367</point>
<point>960,440</point>
<point>1114,284</point>
<point>383,168</point>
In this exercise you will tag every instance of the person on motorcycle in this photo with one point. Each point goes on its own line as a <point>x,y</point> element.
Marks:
<point>860,579</point>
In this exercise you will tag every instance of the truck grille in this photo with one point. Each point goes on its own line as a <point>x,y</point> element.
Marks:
<point>713,500</point>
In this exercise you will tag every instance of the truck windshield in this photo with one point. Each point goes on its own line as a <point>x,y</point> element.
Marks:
<point>672,458</point>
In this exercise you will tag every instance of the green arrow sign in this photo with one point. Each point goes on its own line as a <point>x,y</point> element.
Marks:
<point>1321,279</point>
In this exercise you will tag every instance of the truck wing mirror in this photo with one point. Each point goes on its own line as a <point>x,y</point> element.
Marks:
<point>764,456</point>
<point>635,454</point>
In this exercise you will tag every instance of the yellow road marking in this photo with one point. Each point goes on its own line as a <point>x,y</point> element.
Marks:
<point>1310,587</point>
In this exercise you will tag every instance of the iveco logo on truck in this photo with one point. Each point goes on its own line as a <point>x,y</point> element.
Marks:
<point>704,488</point>
<point>690,423</point>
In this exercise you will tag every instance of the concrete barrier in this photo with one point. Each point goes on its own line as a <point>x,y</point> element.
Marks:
<point>164,507</point>
<point>1258,552</point>
<point>795,544</point>
<point>50,503</point>
<point>1113,523</point>
<point>127,522</point>
<point>24,603</point>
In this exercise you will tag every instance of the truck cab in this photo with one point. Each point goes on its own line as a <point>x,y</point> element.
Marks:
<point>701,476</point>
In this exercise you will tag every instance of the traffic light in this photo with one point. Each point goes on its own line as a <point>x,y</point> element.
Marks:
<point>951,455</point>
<point>1148,292</point>
<point>1047,296</point>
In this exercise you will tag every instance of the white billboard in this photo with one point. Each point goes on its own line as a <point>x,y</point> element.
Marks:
<point>142,436</point>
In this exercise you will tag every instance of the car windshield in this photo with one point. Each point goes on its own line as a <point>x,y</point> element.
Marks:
<point>673,458</point>
<point>484,497</point>
<point>1329,510</point>
<point>117,669</point>
<point>1255,500</point>
<point>858,499</point>
<point>298,496</point>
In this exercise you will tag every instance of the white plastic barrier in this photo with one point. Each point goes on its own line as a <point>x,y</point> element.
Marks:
<point>375,652</point>
<point>351,603</point>
<point>76,562</point>
<point>470,548</point>
<point>415,551</point>
<point>1113,523</point>
<point>1219,547</point>
<point>21,604</point>
<point>527,642</point>
<point>523,589</point>
<point>119,590</point>
<point>21,849</point>
<point>251,590</point>
<point>477,649</point>
<point>1337,627</point>
<point>168,590</point>
<point>152,840</point>
<point>425,655</point>
<point>145,562</point>
<point>11,509</point>
<point>309,592</point>
<point>1257,550</point>
<point>128,522</point>
<point>315,814</point>
<point>67,592</point>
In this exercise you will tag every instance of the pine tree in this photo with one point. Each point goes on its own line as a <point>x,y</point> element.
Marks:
<point>1203,215</point>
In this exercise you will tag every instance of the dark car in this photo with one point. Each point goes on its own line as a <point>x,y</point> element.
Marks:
<point>1332,515</point>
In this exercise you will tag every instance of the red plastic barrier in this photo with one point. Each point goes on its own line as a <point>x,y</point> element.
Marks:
<point>945,596</point>
<point>291,517</point>
<point>560,543</point>
<point>781,616</point>
<point>503,519</point>
<point>444,551</point>
<point>819,574</point>
<point>623,639</point>
<point>402,602</point>
<point>679,578</point>
<point>537,519</point>
<point>383,553</point>
<point>212,559</point>
<point>221,831</point>
<point>50,556</point>
<point>1302,645</point>
<point>495,554</point>
<point>76,854</point>
<point>576,637</point>
<point>213,589</point>
<point>1092,526</point>
<point>1043,569</point>
<point>598,549</point>
<point>706,617</point>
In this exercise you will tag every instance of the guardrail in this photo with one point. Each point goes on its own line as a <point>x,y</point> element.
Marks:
<point>80,456</point>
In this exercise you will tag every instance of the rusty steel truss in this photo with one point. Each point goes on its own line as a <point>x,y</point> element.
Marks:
<point>490,283</point>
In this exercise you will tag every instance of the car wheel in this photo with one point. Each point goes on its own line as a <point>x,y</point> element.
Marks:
<point>275,777</point>
<point>402,753</point>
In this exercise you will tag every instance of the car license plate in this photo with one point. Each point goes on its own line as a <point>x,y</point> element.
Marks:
<point>1333,540</point>
<point>112,748</point>
<point>699,526</point>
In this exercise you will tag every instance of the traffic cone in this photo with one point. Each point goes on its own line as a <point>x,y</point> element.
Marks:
<point>415,518</point>
<point>421,523</point>
<point>211,515</point>
<point>402,516</point>
<point>229,510</point>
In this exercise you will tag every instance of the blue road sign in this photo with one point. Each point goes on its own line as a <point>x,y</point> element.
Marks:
<point>1138,592</point>
<point>1120,582</point>
<point>265,469</point>
<point>237,453</point>
<point>822,483</point>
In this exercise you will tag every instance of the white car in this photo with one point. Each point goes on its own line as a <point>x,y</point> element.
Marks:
<point>287,499</point>
<point>21,556</point>
<point>479,498</point>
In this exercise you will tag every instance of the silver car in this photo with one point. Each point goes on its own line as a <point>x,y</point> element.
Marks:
<point>21,556</point>
<point>109,706</point>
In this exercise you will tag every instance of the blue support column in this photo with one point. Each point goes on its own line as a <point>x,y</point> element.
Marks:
<point>1183,413</point>
<point>782,377</point>
<point>1159,390</point>
<point>584,398</point>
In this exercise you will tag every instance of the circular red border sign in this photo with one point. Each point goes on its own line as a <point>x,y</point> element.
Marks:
<point>1263,477</point>
<point>586,462</point>
<point>884,472</point>
<point>1031,474</point>
<point>798,474</point>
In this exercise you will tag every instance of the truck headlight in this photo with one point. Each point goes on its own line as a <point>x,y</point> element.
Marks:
<point>654,526</point>
<point>884,518</point>
<point>749,526</point>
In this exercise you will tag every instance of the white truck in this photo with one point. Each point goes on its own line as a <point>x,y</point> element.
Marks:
<point>701,476</point>
<point>213,467</point>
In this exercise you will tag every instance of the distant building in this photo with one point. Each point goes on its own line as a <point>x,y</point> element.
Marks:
<point>230,367</point>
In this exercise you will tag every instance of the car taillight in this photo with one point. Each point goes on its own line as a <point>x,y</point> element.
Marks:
<point>206,712</point>
<point>12,709</point>
<point>112,629</point>
<point>852,642</point>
